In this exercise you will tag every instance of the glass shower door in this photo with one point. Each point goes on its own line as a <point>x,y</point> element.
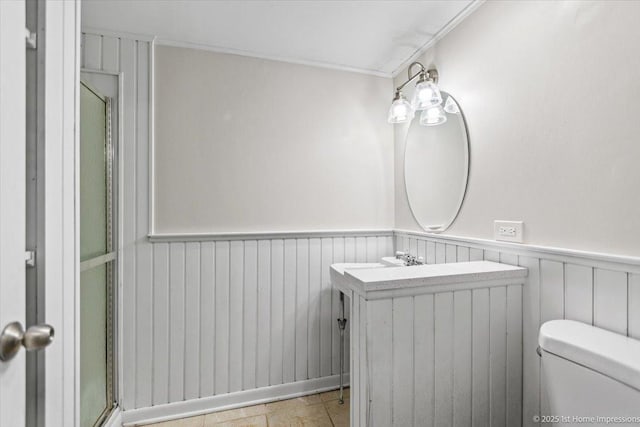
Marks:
<point>97,259</point>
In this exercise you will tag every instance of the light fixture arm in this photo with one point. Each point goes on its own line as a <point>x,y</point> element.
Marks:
<point>423,73</point>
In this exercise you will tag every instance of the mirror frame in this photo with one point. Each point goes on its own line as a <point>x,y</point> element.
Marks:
<point>460,203</point>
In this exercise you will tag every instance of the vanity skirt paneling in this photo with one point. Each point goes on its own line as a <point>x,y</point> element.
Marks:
<point>445,359</point>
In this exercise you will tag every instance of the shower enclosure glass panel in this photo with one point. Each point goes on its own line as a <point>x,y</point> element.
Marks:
<point>97,259</point>
<point>93,339</point>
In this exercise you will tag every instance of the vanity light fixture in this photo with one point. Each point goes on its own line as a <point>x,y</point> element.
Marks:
<point>426,96</point>
<point>433,116</point>
<point>451,107</point>
<point>401,110</point>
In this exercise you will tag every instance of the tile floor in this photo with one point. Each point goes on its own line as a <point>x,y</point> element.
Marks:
<point>315,410</point>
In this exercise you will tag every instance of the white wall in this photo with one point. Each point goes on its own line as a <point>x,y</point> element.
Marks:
<point>550,92</point>
<point>246,144</point>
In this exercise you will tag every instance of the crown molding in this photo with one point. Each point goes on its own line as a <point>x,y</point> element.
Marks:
<point>475,4</point>
<point>160,41</point>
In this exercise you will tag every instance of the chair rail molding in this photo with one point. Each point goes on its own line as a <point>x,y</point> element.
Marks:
<point>264,235</point>
<point>616,262</point>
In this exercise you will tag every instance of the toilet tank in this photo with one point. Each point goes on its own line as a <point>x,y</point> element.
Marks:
<point>590,376</point>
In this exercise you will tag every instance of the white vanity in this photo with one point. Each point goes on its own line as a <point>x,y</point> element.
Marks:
<point>434,344</point>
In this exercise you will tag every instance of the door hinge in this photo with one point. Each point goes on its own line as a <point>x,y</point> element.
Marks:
<point>31,39</point>
<point>30,258</point>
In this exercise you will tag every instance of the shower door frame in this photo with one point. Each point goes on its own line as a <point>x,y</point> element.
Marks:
<point>109,259</point>
<point>115,139</point>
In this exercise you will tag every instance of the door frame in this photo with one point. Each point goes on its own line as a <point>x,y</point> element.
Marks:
<point>61,210</point>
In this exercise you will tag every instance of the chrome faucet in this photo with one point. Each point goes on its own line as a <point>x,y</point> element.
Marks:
<point>409,259</point>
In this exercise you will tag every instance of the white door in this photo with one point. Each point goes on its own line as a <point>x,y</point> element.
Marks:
<point>12,203</point>
<point>14,341</point>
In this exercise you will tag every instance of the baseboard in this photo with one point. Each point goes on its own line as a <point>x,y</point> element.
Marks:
<point>193,407</point>
<point>115,419</point>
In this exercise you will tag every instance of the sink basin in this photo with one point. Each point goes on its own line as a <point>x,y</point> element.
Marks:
<point>391,261</point>
<point>338,270</point>
<point>341,267</point>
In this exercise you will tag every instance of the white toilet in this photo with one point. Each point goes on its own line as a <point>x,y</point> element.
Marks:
<point>588,372</point>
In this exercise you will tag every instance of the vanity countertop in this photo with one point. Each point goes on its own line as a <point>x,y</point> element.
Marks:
<point>374,281</point>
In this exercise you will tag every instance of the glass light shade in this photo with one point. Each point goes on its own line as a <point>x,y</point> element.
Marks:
<point>433,116</point>
<point>400,110</point>
<point>451,107</point>
<point>426,95</point>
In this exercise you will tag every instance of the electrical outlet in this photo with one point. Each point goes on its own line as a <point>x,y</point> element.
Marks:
<point>508,231</point>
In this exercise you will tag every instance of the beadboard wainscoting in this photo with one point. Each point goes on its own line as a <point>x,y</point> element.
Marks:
<point>597,289</point>
<point>240,315</point>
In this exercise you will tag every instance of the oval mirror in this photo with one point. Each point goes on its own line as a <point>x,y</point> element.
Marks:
<point>436,167</point>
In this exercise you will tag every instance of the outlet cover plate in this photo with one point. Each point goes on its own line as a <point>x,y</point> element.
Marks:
<point>508,231</point>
